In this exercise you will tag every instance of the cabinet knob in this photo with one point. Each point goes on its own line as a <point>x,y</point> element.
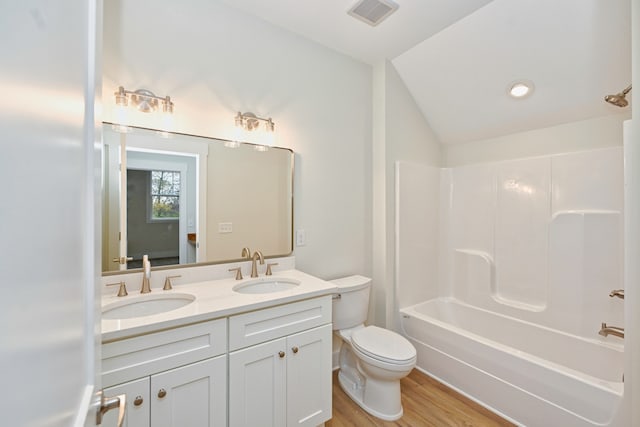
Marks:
<point>138,401</point>
<point>294,349</point>
<point>162,393</point>
<point>281,354</point>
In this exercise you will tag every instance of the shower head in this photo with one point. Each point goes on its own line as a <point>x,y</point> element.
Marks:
<point>619,99</point>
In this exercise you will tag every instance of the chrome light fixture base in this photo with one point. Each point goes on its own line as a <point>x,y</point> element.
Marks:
<point>144,100</point>
<point>249,122</point>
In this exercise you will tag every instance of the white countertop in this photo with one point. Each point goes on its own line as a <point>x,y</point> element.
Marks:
<point>214,299</point>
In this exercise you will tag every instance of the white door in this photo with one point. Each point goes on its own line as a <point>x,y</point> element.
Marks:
<point>309,377</point>
<point>138,404</point>
<point>123,237</point>
<point>191,396</point>
<point>49,250</point>
<point>256,385</point>
<point>114,201</point>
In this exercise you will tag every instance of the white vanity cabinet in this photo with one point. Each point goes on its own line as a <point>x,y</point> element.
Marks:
<point>309,389</point>
<point>267,367</point>
<point>176,378</point>
<point>138,407</point>
<point>280,365</point>
<point>193,395</point>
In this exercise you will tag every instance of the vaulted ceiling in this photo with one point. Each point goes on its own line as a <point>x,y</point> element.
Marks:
<point>458,57</point>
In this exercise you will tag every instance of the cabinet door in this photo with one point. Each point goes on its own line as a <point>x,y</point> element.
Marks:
<point>191,396</point>
<point>309,377</point>
<point>138,408</point>
<point>256,385</point>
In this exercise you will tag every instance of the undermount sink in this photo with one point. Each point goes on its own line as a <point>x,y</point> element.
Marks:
<point>266,286</point>
<point>146,305</point>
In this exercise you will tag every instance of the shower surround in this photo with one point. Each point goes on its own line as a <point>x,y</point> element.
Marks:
<point>522,256</point>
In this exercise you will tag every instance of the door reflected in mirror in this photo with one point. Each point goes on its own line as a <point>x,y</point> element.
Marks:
<point>187,199</point>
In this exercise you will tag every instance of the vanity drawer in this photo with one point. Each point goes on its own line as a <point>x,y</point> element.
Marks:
<point>263,325</point>
<point>143,355</point>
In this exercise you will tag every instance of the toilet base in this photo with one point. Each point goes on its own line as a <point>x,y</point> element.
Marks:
<point>355,392</point>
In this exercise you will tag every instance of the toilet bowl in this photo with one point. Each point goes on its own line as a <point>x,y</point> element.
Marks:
<point>372,359</point>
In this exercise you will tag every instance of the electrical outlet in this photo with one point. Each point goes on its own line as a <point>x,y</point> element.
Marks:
<point>301,237</point>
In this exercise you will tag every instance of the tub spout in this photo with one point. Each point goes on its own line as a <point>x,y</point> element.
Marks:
<point>617,293</point>
<point>611,330</point>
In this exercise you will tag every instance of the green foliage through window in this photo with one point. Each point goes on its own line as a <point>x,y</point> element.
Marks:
<point>165,194</point>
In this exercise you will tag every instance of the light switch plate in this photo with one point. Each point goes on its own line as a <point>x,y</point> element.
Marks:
<point>225,227</point>
<point>301,237</point>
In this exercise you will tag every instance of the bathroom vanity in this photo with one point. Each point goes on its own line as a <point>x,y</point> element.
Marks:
<point>240,353</point>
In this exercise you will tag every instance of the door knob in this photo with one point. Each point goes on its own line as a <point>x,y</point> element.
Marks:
<point>294,349</point>
<point>162,393</point>
<point>109,403</point>
<point>138,401</point>
<point>281,354</point>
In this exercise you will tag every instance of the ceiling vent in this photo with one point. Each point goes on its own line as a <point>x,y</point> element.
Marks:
<point>373,12</point>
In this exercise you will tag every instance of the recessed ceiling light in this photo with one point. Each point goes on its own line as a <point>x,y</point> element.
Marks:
<point>520,89</point>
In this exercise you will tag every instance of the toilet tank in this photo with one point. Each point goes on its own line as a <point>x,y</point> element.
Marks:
<point>350,301</point>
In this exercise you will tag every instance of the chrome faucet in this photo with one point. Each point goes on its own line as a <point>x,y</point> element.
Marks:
<point>146,275</point>
<point>611,330</point>
<point>256,255</point>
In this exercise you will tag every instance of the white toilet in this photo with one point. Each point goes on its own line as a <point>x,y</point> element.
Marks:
<point>372,359</point>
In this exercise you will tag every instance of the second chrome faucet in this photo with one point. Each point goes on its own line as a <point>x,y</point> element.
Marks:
<point>255,258</point>
<point>146,275</point>
<point>257,255</point>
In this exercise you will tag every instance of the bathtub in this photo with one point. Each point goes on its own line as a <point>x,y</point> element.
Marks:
<point>532,375</point>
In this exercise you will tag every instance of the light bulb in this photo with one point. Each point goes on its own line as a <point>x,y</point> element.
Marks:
<point>231,144</point>
<point>520,89</point>
<point>270,138</point>
<point>239,134</point>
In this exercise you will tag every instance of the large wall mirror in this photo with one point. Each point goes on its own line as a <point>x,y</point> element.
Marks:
<point>184,199</point>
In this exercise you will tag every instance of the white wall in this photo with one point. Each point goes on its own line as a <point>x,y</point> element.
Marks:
<point>539,238</point>
<point>268,174</point>
<point>417,228</point>
<point>402,134</point>
<point>599,132</point>
<point>576,195</point>
<point>215,61</point>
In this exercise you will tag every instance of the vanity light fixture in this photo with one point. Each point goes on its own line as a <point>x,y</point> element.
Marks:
<point>520,89</point>
<point>247,123</point>
<point>144,100</point>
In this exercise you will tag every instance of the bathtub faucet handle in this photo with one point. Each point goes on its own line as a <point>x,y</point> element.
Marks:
<point>606,330</point>
<point>617,293</point>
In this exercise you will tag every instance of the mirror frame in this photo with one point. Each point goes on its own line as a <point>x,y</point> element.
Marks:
<point>198,264</point>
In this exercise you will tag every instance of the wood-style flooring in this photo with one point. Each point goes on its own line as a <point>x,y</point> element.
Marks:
<point>426,403</point>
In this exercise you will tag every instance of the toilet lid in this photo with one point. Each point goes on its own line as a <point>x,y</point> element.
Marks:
<point>383,344</point>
